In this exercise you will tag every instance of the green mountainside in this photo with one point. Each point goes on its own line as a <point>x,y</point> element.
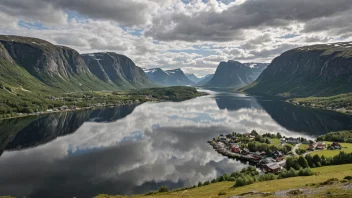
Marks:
<point>318,70</point>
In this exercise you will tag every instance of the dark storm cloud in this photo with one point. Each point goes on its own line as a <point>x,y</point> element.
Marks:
<point>124,11</point>
<point>227,25</point>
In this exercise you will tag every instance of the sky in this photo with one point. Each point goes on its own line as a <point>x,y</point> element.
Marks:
<point>194,35</point>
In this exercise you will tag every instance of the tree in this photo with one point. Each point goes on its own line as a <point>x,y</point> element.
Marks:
<point>163,189</point>
<point>317,160</point>
<point>290,163</point>
<point>267,141</point>
<point>254,133</point>
<point>303,162</point>
<point>200,184</point>
<point>278,135</point>
<point>309,160</point>
<point>252,146</point>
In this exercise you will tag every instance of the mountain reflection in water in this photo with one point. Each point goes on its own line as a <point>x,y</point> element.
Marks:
<point>136,149</point>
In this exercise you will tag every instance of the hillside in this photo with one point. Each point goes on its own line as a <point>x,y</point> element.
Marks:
<point>318,70</point>
<point>58,67</point>
<point>119,69</point>
<point>234,74</point>
<point>308,183</point>
<point>193,78</point>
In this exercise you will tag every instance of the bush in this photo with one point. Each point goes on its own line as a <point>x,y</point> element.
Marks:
<point>221,193</point>
<point>206,183</point>
<point>200,184</point>
<point>231,179</point>
<point>267,177</point>
<point>163,189</point>
<point>213,181</point>
<point>348,178</point>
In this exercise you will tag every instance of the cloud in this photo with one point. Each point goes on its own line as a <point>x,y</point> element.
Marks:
<point>193,34</point>
<point>229,24</point>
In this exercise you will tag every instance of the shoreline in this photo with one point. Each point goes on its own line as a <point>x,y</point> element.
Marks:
<point>136,102</point>
<point>347,112</point>
<point>72,110</point>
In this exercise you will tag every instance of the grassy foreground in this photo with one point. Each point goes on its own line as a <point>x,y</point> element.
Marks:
<point>212,190</point>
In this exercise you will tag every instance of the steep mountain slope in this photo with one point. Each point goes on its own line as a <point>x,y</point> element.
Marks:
<point>205,80</point>
<point>157,76</point>
<point>59,67</point>
<point>318,70</point>
<point>233,74</point>
<point>177,77</point>
<point>168,78</point>
<point>193,78</point>
<point>119,69</point>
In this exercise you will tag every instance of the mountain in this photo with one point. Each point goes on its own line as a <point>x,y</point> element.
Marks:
<point>118,69</point>
<point>318,70</point>
<point>235,74</point>
<point>193,78</point>
<point>168,78</point>
<point>157,76</point>
<point>205,80</point>
<point>177,77</point>
<point>58,67</point>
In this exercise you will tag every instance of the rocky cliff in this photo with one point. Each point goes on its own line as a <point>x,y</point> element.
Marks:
<point>234,74</point>
<point>317,70</point>
<point>118,69</point>
<point>59,67</point>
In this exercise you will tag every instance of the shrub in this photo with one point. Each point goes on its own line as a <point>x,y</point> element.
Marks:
<point>221,193</point>
<point>200,184</point>
<point>348,178</point>
<point>266,177</point>
<point>206,183</point>
<point>163,189</point>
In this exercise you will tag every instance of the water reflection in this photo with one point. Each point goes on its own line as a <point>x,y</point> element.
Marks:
<point>137,149</point>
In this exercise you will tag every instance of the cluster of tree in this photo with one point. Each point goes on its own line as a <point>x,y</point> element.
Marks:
<point>256,146</point>
<point>341,136</point>
<point>317,161</point>
<point>246,179</point>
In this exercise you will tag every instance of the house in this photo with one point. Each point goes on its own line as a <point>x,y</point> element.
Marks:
<point>277,155</point>
<point>222,138</point>
<point>335,146</point>
<point>320,146</point>
<point>311,147</point>
<point>282,140</point>
<point>246,134</point>
<point>257,156</point>
<point>220,145</point>
<point>235,148</point>
<point>272,168</point>
<point>292,141</point>
<point>306,142</point>
<point>266,160</point>
<point>245,151</point>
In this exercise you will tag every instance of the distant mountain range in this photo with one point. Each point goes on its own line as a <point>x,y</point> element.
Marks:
<point>174,77</point>
<point>232,74</point>
<point>318,70</point>
<point>193,78</point>
<point>30,63</point>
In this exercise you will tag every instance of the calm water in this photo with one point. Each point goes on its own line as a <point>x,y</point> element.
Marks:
<point>136,149</point>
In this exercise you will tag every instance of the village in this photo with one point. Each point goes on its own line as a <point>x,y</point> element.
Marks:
<point>268,151</point>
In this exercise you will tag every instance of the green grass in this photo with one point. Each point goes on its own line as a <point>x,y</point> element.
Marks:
<point>346,147</point>
<point>212,190</point>
<point>275,142</point>
<point>303,146</point>
<point>337,102</point>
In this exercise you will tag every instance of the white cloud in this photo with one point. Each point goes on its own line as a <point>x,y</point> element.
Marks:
<point>153,32</point>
